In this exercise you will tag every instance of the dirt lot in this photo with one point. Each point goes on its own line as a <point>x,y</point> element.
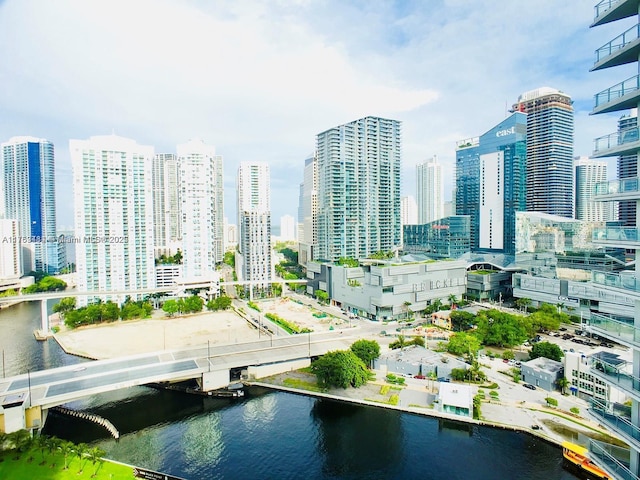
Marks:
<point>301,315</point>
<point>158,333</point>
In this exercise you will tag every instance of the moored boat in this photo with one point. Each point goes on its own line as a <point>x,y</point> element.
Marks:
<point>576,457</point>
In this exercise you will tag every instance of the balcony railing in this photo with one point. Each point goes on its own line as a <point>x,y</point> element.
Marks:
<point>613,234</point>
<point>615,329</point>
<point>618,91</point>
<point>613,417</point>
<point>609,457</point>
<point>616,140</point>
<point>618,43</point>
<point>625,185</point>
<point>617,375</point>
<point>628,282</point>
<point>603,6</point>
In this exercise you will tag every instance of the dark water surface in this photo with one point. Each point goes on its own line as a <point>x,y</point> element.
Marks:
<point>274,435</point>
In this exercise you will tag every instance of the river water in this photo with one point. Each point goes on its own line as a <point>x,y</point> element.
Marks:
<point>274,435</point>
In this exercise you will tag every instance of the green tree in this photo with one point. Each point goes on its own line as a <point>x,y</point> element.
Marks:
<point>348,262</point>
<point>322,296</point>
<point>95,455</point>
<point>170,307</point>
<point>230,259</point>
<point>65,305</point>
<point>461,320</point>
<point>546,318</point>
<point>80,451</point>
<point>547,350</point>
<point>400,343</point>
<point>66,448</point>
<point>462,343</point>
<point>562,383</point>
<point>523,304</point>
<point>366,350</point>
<point>501,329</point>
<point>340,368</point>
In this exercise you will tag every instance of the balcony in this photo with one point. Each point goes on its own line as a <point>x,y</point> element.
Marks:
<point>625,281</point>
<point>619,375</point>
<point>622,96</point>
<point>612,10</point>
<point>615,417</point>
<point>621,237</point>
<point>624,333</point>
<point>621,50</point>
<point>625,189</point>
<point>625,142</point>
<point>614,459</point>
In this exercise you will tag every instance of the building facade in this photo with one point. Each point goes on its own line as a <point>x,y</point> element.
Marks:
<point>167,224</point>
<point>113,199</point>
<point>11,267</point>
<point>622,97</point>
<point>253,258</point>
<point>588,173</point>
<point>308,241</point>
<point>429,191</point>
<point>549,184</point>
<point>28,187</point>
<point>408,211</point>
<point>491,183</point>
<point>444,238</point>
<point>628,165</point>
<point>358,189</point>
<point>202,208</point>
<point>288,228</point>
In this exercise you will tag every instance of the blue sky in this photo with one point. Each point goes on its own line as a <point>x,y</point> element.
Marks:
<point>259,79</point>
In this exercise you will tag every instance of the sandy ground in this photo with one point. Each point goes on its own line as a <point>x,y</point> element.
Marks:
<point>140,336</point>
<point>302,315</point>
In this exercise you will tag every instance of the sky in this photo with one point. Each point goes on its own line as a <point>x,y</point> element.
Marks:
<point>260,79</point>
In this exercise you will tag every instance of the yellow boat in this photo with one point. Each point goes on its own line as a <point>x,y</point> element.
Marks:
<point>576,456</point>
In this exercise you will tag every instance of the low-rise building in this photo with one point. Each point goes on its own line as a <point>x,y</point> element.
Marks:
<point>167,275</point>
<point>579,371</point>
<point>388,290</point>
<point>542,372</point>
<point>456,399</point>
<point>416,360</point>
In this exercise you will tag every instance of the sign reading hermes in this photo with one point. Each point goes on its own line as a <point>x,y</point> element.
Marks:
<point>504,133</point>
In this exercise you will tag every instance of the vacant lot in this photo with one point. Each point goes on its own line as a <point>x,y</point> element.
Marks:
<point>301,315</point>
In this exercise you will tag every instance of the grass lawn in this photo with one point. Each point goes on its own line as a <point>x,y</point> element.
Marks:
<point>53,467</point>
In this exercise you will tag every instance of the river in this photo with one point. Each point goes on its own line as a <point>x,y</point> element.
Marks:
<point>275,435</point>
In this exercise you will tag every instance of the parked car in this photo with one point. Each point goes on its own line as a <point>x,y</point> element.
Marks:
<point>562,329</point>
<point>444,379</point>
<point>529,386</point>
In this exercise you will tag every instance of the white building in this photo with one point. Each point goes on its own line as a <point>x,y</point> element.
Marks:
<point>308,211</point>
<point>456,399</point>
<point>288,227</point>
<point>201,197</point>
<point>587,175</point>
<point>230,235</point>
<point>429,191</point>
<point>28,195</point>
<point>167,227</point>
<point>253,258</point>
<point>113,199</point>
<point>168,275</point>
<point>408,210</point>
<point>10,252</point>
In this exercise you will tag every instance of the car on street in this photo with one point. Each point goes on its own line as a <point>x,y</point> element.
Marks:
<point>562,329</point>
<point>529,386</point>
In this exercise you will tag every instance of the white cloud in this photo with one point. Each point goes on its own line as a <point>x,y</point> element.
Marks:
<point>260,79</point>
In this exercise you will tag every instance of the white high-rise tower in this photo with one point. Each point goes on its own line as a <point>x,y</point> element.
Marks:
<point>429,191</point>
<point>201,196</point>
<point>588,173</point>
<point>113,198</point>
<point>253,260</point>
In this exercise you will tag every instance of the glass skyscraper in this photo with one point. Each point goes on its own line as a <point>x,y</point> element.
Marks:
<point>549,150</point>
<point>28,186</point>
<point>358,189</point>
<point>491,183</point>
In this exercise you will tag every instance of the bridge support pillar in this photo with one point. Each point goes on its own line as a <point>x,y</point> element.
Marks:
<point>44,313</point>
<point>215,380</point>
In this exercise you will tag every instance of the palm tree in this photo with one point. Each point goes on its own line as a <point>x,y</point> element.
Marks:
<point>452,300</point>
<point>21,441</point>
<point>81,450</point>
<point>95,455</point>
<point>66,448</point>
<point>562,384</point>
<point>523,303</point>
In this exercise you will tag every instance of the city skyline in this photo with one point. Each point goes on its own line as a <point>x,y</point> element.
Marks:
<point>391,65</point>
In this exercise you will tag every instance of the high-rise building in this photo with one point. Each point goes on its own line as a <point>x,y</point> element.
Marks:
<point>288,228</point>
<point>253,258</point>
<point>624,144</point>
<point>429,191</point>
<point>11,268</point>
<point>309,211</point>
<point>549,150</point>
<point>28,186</point>
<point>167,227</point>
<point>358,189</point>
<point>491,183</point>
<point>408,211</point>
<point>628,165</point>
<point>113,199</point>
<point>588,174</point>
<point>201,200</point>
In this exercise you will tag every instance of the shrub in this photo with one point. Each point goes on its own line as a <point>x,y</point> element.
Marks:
<point>552,402</point>
<point>508,354</point>
<point>394,399</point>
<point>575,410</point>
<point>254,306</point>
<point>493,394</point>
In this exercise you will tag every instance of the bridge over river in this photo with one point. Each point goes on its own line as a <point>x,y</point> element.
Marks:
<point>25,399</point>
